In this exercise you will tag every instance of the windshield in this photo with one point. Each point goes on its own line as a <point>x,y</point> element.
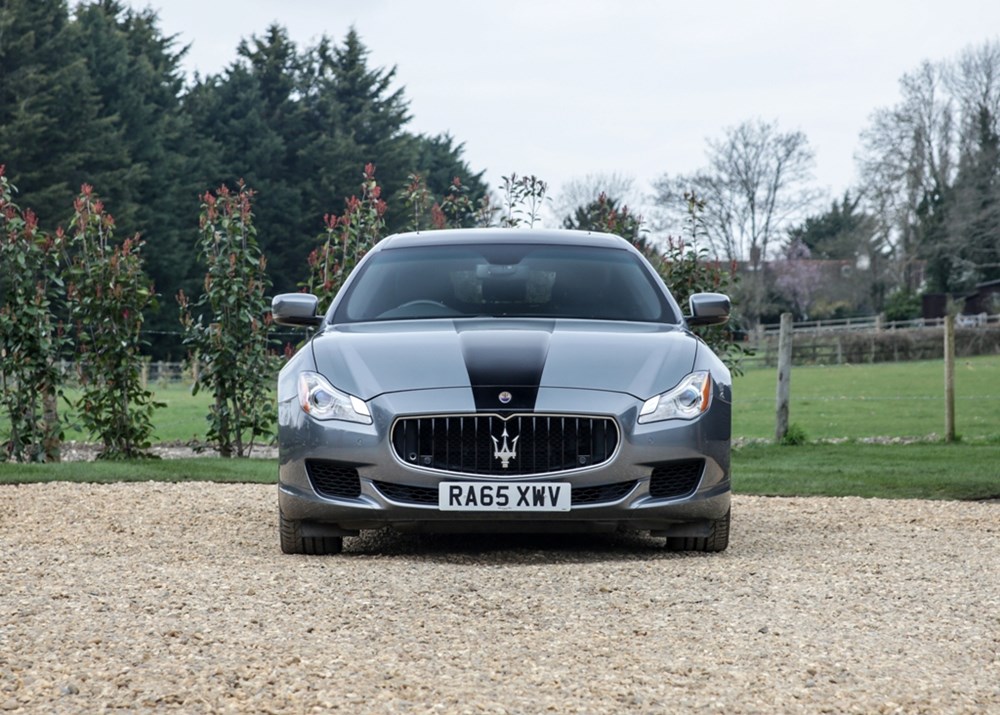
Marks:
<point>509,280</point>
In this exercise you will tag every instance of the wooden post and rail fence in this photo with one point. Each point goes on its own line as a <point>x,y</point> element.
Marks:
<point>869,340</point>
<point>784,364</point>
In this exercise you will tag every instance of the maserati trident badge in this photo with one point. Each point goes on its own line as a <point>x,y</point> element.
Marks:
<point>505,397</point>
<point>505,452</point>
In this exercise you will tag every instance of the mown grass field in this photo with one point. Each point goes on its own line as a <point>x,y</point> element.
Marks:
<point>850,405</point>
<point>884,400</point>
<point>199,469</point>
<point>888,471</point>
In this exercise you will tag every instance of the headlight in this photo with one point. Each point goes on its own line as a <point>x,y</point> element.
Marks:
<point>689,399</point>
<point>323,401</point>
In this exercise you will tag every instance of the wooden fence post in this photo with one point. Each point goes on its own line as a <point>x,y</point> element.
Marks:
<point>949,378</point>
<point>784,377</point>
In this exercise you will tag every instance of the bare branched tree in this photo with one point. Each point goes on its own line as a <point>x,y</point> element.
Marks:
<point>756,183</point>
<point>906,152</point>
<point>757,180</point>
<point>930,171</point>
<point>974,80</point>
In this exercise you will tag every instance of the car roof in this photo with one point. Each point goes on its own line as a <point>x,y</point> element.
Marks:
<point>561,237</point>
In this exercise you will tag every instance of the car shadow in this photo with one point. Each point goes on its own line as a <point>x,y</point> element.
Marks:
<point>510,548</point>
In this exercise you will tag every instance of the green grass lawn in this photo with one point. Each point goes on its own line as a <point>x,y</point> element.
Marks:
<point>883,400</point>
<point>202,469</point>
<point>891,471</point>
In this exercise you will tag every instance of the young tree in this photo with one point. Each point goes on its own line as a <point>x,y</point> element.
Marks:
<point>439,161</point>
<point>227,329</point>
<point>523,197</point>
<point>30,337</point>
<point>107,292</point>
<point>346,239</point>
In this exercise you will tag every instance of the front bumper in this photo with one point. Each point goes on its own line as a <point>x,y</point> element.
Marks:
<point>641,449</point>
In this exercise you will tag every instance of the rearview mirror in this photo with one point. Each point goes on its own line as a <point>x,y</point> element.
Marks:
<point>709,309</point>
<point>296,309</point>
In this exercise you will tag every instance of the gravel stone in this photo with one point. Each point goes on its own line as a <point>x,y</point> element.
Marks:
<point>175,597</point>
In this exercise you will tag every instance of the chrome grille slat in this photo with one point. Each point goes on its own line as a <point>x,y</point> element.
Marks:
<point>536,443</point>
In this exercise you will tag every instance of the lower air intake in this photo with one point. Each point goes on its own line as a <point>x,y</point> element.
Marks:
<point>333,479</point>
<point>675,479</point>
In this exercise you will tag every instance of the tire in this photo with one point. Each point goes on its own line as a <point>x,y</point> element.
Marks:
<point>292,541</point>
<point>716,541</point>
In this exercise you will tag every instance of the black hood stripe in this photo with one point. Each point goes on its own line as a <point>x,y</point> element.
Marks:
<point>505,361</point>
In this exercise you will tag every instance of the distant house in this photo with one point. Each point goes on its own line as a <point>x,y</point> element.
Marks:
<point>984,298</point>
<point>818,288</point>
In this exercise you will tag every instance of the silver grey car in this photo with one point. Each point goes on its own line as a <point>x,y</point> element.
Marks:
<point>503,380</point>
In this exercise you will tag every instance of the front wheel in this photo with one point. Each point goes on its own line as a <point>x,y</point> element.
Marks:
<point>717,539</point>
<point>293,542</point>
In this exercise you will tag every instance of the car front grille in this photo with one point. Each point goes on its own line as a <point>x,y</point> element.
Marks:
<point>333,479</point>
<point>519,445</point>
<point>675,479</point>
<point>581,496</point>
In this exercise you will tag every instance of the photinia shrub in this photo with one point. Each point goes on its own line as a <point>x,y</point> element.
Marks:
<point>107,292</point>
<point>687,270</point>
<point>417,199</point>
<point>347,238</point>
<point>523,197</point>
<point>227,330</point>
<point>30,338</point>
<point>454,210</point>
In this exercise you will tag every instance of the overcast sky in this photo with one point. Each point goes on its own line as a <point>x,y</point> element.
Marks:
<point>565,89</point>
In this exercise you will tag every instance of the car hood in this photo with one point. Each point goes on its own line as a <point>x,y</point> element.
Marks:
<point>369,359</point>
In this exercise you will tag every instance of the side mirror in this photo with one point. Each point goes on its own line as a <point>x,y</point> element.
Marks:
<point>709,309</point>
<point>296,309</point>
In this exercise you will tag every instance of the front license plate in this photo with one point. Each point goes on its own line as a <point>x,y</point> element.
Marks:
<point>490,496</point>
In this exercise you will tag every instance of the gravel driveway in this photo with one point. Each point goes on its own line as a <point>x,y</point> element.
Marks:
<point>175,597</point>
